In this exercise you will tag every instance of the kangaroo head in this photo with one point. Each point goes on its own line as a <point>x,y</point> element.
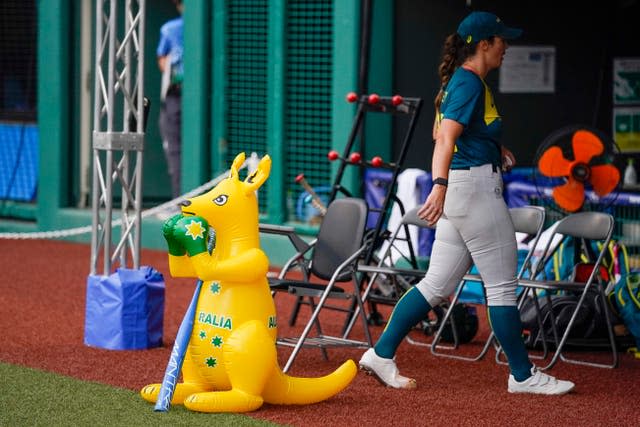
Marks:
<point>232,204</point>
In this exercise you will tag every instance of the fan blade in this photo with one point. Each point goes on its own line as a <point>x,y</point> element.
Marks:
<point>586,145</point>
<point>552,163</point>
<point>604,179</point>
<point>569,196</point>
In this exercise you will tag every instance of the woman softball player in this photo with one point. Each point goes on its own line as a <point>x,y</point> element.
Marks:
<point>473,222</point>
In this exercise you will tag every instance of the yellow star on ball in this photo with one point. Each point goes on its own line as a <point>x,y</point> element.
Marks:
<point>195,230</point>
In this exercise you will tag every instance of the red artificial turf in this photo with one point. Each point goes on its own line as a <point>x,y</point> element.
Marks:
<point>42,303</point>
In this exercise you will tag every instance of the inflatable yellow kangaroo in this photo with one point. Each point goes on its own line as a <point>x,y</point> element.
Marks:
<point>231,360</point>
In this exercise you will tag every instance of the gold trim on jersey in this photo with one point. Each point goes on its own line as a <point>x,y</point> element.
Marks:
<point>490,111</point>
<point>437,120</point>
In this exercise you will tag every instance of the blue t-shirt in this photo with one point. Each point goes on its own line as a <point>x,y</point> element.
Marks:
<point>171,44</point>
<point>468,101</point>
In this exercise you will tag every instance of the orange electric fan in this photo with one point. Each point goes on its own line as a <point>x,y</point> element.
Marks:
<point>583,169</point>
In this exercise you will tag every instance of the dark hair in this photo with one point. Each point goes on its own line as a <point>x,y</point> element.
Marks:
<point>454,52</point>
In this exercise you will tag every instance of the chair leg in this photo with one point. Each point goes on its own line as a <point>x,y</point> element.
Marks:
<point>541,331</point>
<point>610,332</point>
<point>303,336</point>
<point>294,315</point>
<point>363,315</point>
<point>558,355</point>
<point>611,337</point>
<point>435,343</point>
<point>554,329</point>
<point>296,309</point>
<point>351,320</point>
<point>539,320</point>
<point>325,355</point>
<point>305,333</point>
<point>490,341</point>
<point>355,309</point>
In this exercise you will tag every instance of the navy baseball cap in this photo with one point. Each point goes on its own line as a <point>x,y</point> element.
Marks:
<point>484,25</point>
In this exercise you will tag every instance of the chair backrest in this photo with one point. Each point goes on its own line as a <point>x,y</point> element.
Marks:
<point>528,220</point>
<point>340,235</point>
<point>589,226</point>
<point>412,218</point>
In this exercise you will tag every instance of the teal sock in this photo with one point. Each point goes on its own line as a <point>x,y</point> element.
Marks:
<point>409,310</point>
<point>507,327</point>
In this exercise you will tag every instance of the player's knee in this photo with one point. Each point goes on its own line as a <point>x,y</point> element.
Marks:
<point>502,293</point>
<point>434,296</point>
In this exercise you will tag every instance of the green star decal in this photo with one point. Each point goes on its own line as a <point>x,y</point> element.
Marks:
<point>211,362</point>
<point>215,288</point>
<point>217,341</point>
<point>203,335</point>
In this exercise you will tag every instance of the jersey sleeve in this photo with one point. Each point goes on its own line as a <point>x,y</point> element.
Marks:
<point>164,45</point>
<point>461,101</point>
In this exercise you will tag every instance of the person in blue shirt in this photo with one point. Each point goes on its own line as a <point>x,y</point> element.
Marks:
<point>169,53</point>
<point>466,203</point>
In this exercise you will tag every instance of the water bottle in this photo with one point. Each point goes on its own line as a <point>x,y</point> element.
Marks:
<point>252,162</point>
<point>630,175</point>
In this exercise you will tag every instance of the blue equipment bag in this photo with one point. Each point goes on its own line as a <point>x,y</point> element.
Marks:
<point>625,301</point>
<point>125,310</point>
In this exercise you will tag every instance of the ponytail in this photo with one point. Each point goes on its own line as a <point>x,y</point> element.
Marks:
<point>454,52</point>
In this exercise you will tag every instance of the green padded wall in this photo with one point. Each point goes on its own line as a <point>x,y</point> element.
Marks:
<point>246,77</point>
<point>305,113</point>
<point>308,107</point>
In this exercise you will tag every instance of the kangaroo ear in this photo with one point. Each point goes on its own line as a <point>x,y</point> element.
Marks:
<point>259,176</point>
<point>236,165</point>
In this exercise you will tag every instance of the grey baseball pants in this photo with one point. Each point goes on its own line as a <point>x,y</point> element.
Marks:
<point>475,228</point>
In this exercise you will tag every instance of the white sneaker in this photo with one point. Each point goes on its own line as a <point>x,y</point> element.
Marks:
<point>385,370</point>
<point>540,383</point>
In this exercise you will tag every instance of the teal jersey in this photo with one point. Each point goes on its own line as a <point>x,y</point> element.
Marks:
<point>468,101</point>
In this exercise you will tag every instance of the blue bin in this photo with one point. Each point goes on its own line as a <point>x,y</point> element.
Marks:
<point>125,310</point>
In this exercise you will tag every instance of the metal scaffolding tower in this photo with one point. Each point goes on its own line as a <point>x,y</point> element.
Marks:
<point>118,133</point>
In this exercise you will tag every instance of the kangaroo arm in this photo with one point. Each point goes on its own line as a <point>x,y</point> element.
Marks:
<point>245,267</point>
<point>180,266</point>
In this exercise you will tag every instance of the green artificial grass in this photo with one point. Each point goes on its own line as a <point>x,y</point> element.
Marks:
<point>29,397</point>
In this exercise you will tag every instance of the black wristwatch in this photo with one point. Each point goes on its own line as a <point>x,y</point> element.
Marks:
<point>440,181</point>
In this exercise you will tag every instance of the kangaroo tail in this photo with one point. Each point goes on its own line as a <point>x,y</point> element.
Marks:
<point>285,390</point>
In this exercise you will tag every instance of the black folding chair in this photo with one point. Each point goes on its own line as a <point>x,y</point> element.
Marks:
<point>586,228</point>
<point>333,258</point>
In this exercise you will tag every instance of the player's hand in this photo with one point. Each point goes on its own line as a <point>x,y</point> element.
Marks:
<point>173,245</point>
<point>192,233</point>
<point>432,209</point>
<point>508,159</point>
